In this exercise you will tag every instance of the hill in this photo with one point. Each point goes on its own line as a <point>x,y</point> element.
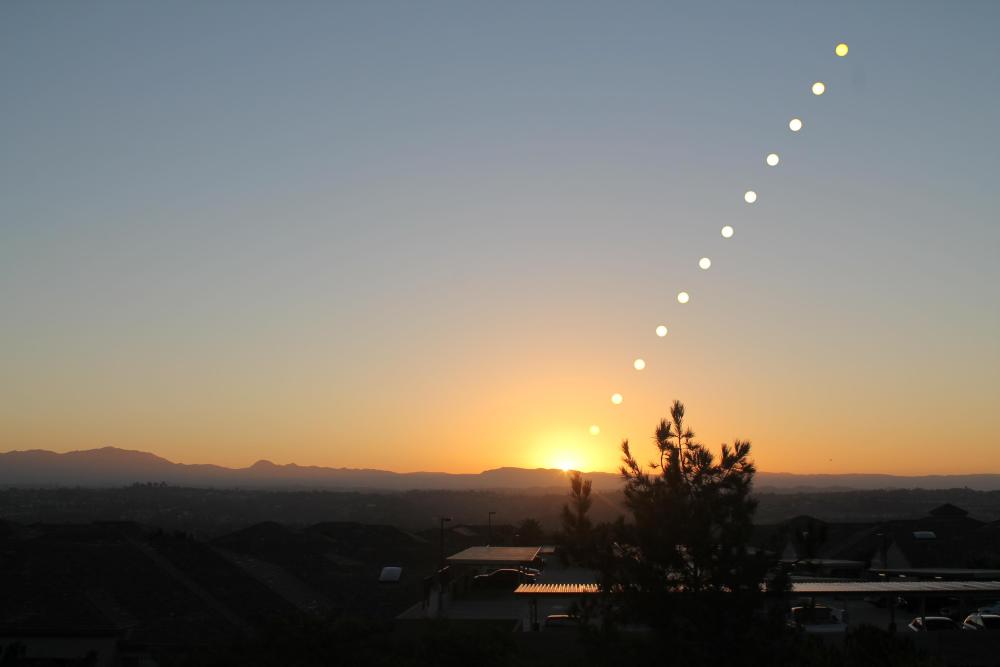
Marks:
<point>110,466</point>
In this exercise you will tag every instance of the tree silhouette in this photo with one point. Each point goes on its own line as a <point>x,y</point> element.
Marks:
<point>577,528</point>
<point>683,564</point>
<point>693,514</point>
<point>807,538</point>
<point>529,532</point>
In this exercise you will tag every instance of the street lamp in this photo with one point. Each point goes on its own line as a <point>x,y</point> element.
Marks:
<point>490,521</point>
<point>444,520</point>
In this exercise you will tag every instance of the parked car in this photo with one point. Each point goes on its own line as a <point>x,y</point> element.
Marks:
<point>981,621</point>
<point>882,601</point>
<point>502,579</point>
<point>933,624</point>
<point>818,619</point>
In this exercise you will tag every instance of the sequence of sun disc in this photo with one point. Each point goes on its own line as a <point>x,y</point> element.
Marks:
<point>817,88</point>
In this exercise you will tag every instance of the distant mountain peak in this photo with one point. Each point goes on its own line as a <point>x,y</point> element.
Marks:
<point>118,452</point>
<point>114,466</point>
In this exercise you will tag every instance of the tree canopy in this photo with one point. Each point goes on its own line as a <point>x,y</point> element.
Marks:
<point>577,529</point>
<point>682,563</point>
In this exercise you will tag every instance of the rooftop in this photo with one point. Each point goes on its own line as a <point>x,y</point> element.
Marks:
<point>556,589</point>
<point>807,588</point>
<point>494,556</point>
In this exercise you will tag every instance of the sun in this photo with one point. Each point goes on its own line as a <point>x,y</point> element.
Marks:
<point>567,461</point>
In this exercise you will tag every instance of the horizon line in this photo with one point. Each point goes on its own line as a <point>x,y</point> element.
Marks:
<point>438,472</point>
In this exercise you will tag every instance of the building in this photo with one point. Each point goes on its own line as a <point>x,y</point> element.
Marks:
<point>946,543</point>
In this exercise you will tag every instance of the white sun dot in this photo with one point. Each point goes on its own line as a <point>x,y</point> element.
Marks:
<point>841,50</point>
<point>704,263</point>
<point>749,196</point>
<point>683,297</point>
<point>819,88</point>
<point>772,159</point>
<point>661,331</point>
<point>795,125</point>
<point>639,364</point>
<point>595,430</point>
<point>727,232</point>
<point>616,399</point>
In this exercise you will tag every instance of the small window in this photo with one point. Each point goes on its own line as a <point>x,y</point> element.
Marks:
<point>991,622</point>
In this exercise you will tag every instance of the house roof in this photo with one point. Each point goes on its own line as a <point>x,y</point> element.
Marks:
<point>948,511</point>
<point>946,538</point>
<point>933,541</point>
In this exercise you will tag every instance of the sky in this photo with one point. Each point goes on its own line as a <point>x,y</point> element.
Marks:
<point>435,235</point>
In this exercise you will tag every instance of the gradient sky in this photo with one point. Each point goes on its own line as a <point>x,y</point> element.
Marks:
<point>433,236</point>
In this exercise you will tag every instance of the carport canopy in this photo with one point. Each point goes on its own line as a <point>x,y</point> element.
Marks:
<point>495,556</point>
<point>813,588</point>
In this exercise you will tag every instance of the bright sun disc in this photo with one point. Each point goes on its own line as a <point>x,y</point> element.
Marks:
<point>772,159</point>
<point>841,50</point>
<point>617,399</point>
<point>704,263</point>
<point>683,297</point>
<point>727,232</point>
<point>639,364</point>
<point>749,196</point>
<point>595,430</point>
<point>661,331</point>
<point>819,88</point>
<point>795,125</point>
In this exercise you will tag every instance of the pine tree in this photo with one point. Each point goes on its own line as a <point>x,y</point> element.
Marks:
<point>577,528</point>
<point>683,564</point>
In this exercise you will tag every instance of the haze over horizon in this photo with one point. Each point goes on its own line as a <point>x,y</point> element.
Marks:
<point>114,467</point>
<point>434,237</point>
<point>335,466</point>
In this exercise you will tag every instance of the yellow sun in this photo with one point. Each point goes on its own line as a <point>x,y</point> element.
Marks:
<point>567,461</point>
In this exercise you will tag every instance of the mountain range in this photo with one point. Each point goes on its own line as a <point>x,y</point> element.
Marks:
<point>111,466</point>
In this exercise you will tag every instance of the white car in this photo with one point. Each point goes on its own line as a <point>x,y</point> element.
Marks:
<point>981,621</point>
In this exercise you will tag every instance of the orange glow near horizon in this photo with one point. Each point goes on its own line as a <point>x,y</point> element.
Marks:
<point>561,448</point>
<point>352,249</point>
<point>531,402</point>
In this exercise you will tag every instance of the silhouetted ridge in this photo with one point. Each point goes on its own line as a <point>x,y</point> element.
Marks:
<point>112,466</point>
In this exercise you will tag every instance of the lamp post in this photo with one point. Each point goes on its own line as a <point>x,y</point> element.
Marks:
<point>489,519</point>
<point>891,597</point>
<point>444,520</point>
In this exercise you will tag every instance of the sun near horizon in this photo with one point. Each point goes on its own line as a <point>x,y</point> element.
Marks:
<point>353,248</point>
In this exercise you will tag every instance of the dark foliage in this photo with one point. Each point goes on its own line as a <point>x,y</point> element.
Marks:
<point>577,530</point>
<point>682,567</point>
<point>530,532</point>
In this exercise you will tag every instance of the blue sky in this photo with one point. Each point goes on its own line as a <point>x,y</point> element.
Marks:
<point>316,231</point>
